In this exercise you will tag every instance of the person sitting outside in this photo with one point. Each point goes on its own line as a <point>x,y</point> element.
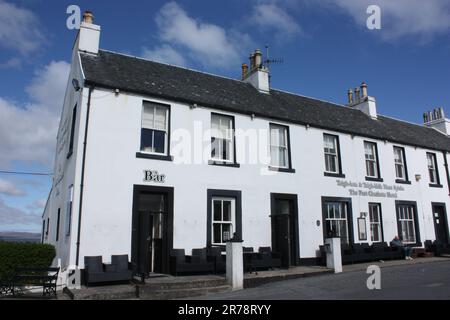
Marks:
<point>406,250</point>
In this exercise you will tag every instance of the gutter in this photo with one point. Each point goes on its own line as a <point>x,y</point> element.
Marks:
<point>83,165</point>
<point>447,171</point>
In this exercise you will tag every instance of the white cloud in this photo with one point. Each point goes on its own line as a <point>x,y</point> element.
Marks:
<point>19,29</point>
<point>10,189</point>
<point>402,18</point>
<point>189,38</point>
<point>270,16</point>
<point>38,205</point>
<point>28,133</point>
<point>164,53</point>
<point>15,219</point>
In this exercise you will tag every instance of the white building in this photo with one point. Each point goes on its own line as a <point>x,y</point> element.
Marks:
<point>138,170</point>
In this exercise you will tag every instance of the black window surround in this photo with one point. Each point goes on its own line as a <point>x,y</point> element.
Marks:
<point>237,195</point>
<point>438,182</point>
<point>381,217</point>
<point>162,157</point>
<point>339,174</point>
<point>374,179</point>
<point>405,163</point>
<point>72,131</point>
<point>233,163</point>
<point>288,134</point>
<point>416,220</point>
<point>348,201</point>
<point>58,218</point>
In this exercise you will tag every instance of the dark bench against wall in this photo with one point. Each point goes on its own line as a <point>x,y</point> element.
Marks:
<point>97,272</point>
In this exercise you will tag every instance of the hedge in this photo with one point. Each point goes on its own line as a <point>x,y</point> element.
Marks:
<point>24,255</point>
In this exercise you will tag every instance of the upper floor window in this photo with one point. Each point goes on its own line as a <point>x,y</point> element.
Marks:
<point>72,131</point>
<point>155,128</point>
<point>279,146</point>
<point>222,138</point>
<point>371,155</point>
<point>432,169</point>
<point>400,164</point>
<point>332,154</point>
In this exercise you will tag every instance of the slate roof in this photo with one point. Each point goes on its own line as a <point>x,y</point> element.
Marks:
<point>117,71</point>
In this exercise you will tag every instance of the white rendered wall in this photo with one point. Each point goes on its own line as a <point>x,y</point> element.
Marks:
<point>112,169</point>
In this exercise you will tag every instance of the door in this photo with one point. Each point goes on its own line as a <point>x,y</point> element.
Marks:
<point>152,231</point>
<point>284,232</point>
<point>440,223</point>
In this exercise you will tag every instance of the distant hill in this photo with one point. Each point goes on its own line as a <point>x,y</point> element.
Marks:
<point>20,237</point>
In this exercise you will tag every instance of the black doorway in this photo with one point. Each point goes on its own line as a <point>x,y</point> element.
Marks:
<point>284,221</point>
<point>152,234</point>
<point>440,222</point>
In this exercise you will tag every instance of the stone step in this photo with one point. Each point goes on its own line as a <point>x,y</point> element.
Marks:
<point>181,293</point>
<point>176,285</point>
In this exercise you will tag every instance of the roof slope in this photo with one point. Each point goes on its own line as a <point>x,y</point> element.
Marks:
<point>112,70</point>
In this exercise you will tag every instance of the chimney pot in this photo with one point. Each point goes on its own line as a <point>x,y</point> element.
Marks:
<point>258,58</point>
<point>350,96</point>
<point>88,17</point>
<point>244,70</point>
<point>357,94</point>
<point>364,90</point>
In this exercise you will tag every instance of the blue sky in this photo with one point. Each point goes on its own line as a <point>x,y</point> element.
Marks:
<point>325,44</point>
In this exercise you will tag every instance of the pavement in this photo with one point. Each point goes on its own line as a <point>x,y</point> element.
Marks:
<point>422,278</point>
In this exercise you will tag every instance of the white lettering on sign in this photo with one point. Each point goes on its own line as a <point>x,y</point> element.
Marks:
<point>154,176</point>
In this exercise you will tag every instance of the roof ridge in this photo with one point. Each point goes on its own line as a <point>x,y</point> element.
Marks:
<point>416,124</point>
<point>312,98</point>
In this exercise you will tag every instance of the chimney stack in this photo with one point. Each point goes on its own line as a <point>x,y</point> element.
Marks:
<point>362,101</point>
<point>88,39</point>
<point>258,75</point>
<point>436,119</point>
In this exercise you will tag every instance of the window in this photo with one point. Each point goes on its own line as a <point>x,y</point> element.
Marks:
<point>336,220</point>
<point>43,231</point>
<point>400,164</point>
<point>407,223</point>
<point>279,146</point>
<point>155,128</point>
<point>370,150</point>
<point>57,224</point>
<point>376,231</point>
<point>68,221</point>
<point>223,214</point>
<point>72,131</point>
<point>222,138</point>
<point>48,228</point>
<point>432,169</point>
<point>332,154</point>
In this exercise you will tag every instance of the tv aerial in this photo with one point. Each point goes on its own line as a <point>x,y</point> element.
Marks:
<point>269,61</point>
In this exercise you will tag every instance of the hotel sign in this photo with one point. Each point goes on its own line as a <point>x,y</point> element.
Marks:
<point>370,189</point>
<point>154,176</point>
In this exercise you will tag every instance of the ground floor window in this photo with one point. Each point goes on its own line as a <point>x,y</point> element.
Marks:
<point>337,220</point>
<point>224,215</point>
<point>407,223</point>
<point>376,231</point>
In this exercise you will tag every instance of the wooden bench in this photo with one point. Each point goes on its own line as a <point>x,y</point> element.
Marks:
<point>22,277</point>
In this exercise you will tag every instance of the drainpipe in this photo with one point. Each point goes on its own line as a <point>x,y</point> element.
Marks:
<point>80,206</point>
<point>447,171</point>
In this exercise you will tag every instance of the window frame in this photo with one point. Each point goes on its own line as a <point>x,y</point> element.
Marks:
<point>379,223</point>
<point>72,131</point>
<point>222,222</point>
<point>405,179</point>
<point>69,211</point>
<point>58,220</point>
<point>437,183</point>
<point>338,173</point>
<point>348,203</point>
<point>376,161</point>
<point>288,167</point>
<point>219,161</point>
<point>156,155</point>
<point>415,216</point>
<point>215,193</point>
